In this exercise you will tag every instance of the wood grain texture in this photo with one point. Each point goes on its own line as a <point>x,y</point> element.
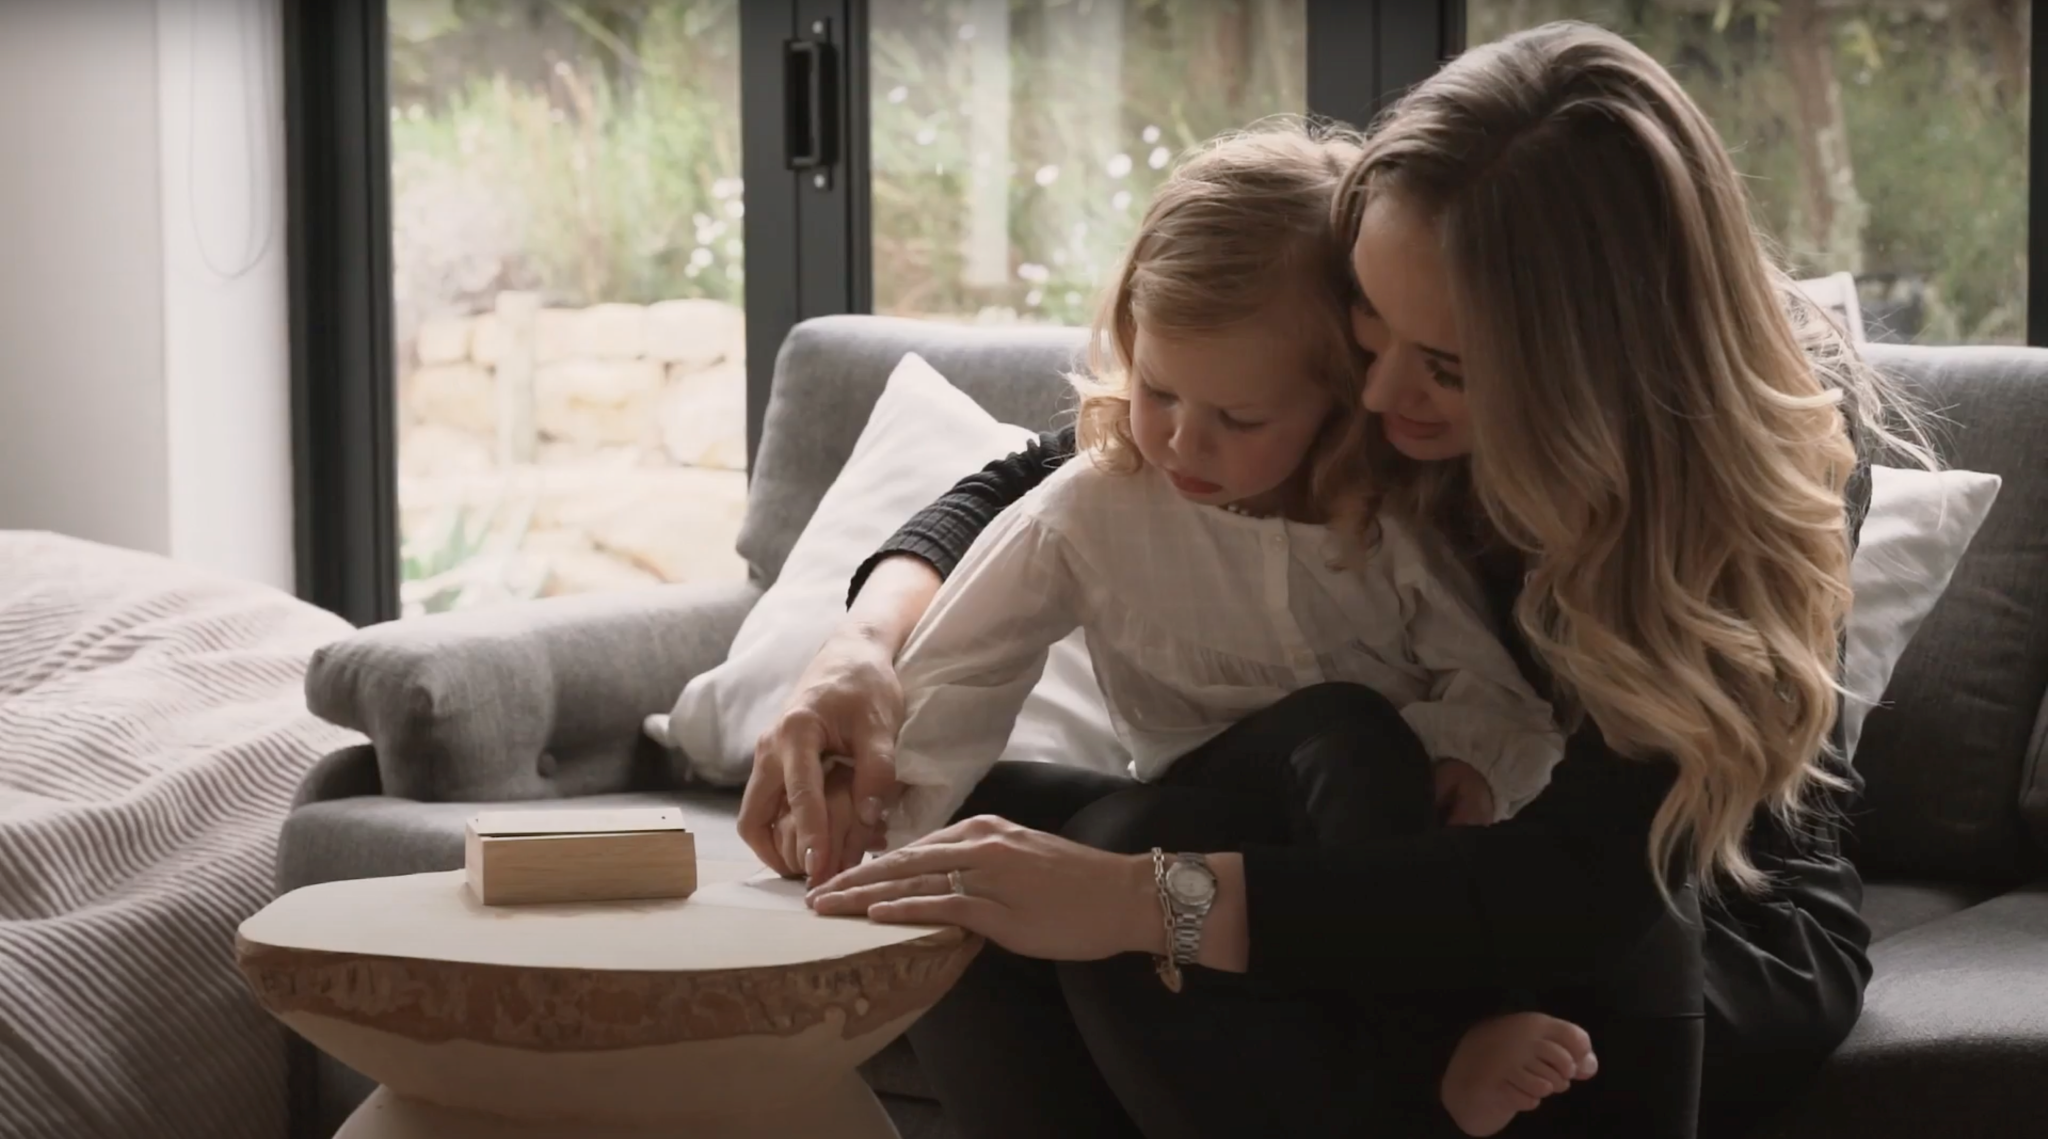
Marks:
<point>568,866</point>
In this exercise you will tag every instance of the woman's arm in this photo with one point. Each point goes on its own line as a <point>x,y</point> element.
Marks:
<point>1540,900</point>
<point>940,534</point>
<point>1479,708</point>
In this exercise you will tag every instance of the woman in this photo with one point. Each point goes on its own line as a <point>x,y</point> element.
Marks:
<point>1587,381</point>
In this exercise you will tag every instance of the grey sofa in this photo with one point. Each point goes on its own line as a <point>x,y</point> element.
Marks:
<point>544,702</point>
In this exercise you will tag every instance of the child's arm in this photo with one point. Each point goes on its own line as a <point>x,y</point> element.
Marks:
<point>1480,710</point>
<point>972,662</point>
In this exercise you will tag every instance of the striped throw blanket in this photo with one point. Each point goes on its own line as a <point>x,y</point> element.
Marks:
<point>152,731</point>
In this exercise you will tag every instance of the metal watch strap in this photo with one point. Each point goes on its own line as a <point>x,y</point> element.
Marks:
<point>1167,967</point>
<point>1183,919</point>
<point>1187,923</point>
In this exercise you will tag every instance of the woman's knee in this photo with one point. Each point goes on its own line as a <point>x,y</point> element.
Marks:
<point>1356,770</point>
<point>1662,976</point>
<point>1340,713</point>
<point>1338,705</point>
<point>1041,796</point>
<point>1136,819</point>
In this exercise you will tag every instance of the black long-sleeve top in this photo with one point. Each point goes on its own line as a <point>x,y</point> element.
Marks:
<point>1547,898</point>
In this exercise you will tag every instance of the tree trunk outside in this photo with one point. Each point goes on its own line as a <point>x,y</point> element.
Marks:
<point>1835,214</point>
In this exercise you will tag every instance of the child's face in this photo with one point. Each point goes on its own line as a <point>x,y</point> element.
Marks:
<point>1226,417</point>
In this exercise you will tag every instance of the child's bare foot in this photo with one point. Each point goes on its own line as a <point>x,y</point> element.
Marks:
<point>1507,1065</point>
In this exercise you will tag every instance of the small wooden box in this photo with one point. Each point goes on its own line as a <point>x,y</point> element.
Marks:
<point>589,855</point>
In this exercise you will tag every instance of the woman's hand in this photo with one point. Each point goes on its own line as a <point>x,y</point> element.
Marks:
<point>1032,893</point>
<point>1463,798</point>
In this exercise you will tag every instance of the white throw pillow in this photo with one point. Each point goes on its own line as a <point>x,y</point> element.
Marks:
<point>923,436</point>
<point>1918,527</point>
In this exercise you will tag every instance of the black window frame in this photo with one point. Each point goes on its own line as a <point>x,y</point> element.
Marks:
<point>338,240</point>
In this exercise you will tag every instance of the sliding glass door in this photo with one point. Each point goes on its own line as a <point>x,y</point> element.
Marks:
<point>544,251</point>
<point>568,272</point>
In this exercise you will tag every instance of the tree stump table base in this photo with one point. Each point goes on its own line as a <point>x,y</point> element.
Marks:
<point>847,1111</point>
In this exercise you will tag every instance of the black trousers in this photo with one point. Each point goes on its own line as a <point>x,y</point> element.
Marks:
<point>1022,1047</point>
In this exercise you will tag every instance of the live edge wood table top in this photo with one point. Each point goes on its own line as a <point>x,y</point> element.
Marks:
<point>733,1013</point>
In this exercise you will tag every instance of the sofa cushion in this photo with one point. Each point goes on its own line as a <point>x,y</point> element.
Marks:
<point>1917,529</point>
<point>830,373</point>
<point>924,436</point>
<point>1944,756</point>
<point>1892,908</point>
<point>1954,1033</point>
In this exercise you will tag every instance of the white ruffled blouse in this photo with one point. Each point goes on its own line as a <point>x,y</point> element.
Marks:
<point>1195,617</point>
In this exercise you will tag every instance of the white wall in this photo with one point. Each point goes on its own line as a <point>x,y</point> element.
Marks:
<point>227,363</point>
<point>83,440</point>
<point>144,378</point>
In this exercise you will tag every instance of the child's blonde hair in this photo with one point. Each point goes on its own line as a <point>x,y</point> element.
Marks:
<point>1240,231</point>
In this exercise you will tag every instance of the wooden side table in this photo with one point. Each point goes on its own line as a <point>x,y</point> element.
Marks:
<point>733,1014</point>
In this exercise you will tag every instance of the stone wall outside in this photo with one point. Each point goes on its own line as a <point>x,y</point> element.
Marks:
<point>619,460</point>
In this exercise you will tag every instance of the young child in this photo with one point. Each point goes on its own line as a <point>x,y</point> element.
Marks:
<point>1215,543</point>
<point>1213,538</point>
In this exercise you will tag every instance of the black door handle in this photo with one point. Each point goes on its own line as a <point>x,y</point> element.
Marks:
<point>810,88</point>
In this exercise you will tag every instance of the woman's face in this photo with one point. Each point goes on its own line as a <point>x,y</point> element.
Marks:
<point>1416,383</point>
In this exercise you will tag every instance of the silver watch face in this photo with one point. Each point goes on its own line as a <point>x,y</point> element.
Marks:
<point>1190,885</point>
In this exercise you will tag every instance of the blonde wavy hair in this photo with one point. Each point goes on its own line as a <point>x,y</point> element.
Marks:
<point>1240,232</point>
<point>1661,422</point>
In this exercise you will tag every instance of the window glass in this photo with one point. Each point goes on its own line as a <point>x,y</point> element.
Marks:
<point>1015,142</point>
<point>566,230</point>
<point>1885,141</point>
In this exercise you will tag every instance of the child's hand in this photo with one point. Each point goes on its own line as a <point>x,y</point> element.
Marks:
<point>1462,797</point>
<point>849,838</point>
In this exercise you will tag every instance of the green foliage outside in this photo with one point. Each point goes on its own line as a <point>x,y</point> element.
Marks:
<point>612,128</point>
<point>621,154</point>
<point>1099,101</point>
<point>1933,103</point>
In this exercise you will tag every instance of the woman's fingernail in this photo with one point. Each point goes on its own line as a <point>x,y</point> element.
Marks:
<point>810,862</point>
<point>871,810</point>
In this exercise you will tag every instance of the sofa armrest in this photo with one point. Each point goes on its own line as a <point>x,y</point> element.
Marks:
<point>534,701</point>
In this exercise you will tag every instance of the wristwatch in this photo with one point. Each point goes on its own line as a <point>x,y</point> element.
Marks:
<point>1187,889</point>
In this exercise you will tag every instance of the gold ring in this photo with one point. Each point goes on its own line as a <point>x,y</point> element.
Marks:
<point>953,880</point>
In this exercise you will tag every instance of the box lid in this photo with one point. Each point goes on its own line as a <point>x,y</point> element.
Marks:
<point>584,820</point>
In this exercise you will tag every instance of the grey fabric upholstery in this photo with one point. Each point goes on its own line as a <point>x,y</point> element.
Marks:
<point>462,709</point>
<point>368,834</point>
<point>829,375</point>
<point>1944,759</point>
<point>540,701</point>
<point>1892,908</point>
<point>1953,1041</point>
